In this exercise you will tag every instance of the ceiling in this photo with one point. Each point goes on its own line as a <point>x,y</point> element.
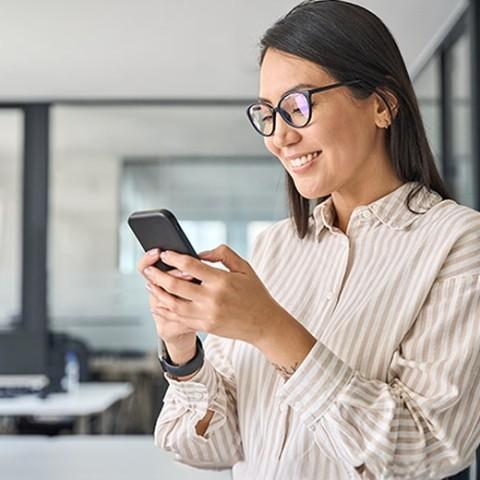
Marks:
<point>120,49</point>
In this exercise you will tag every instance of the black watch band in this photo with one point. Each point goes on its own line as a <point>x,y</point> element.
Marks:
<point>180,370</point>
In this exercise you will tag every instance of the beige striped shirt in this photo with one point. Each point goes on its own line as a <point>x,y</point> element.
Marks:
<point>391,389</point>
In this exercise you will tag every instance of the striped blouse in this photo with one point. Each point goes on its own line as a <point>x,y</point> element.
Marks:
<point>391,388</point>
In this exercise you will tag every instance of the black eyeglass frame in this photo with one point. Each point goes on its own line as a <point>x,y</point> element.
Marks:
<point>306,93</point>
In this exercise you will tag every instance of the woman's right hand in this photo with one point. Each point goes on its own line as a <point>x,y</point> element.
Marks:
<point>178,338</point>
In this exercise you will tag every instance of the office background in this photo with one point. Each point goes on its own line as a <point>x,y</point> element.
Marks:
<point>114,106</point>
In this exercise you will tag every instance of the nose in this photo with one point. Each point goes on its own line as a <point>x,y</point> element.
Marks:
<point>284,134</point>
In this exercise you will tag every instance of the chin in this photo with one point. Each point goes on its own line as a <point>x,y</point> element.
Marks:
<point>309,196</point>
<point>312,194</point>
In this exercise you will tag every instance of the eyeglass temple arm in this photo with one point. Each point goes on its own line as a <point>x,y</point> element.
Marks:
<point>333,85</point>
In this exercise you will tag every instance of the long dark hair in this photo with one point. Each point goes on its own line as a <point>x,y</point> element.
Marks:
<point>350,42</point>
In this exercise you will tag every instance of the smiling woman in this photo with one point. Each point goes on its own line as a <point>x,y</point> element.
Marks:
<point>349,346</point>
<point>370,131</point>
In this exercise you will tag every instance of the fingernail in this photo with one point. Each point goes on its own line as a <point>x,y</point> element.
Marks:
<point>153,252</point>
<point>164,255</point>
<point>148,271</point>
<point>147,286</point>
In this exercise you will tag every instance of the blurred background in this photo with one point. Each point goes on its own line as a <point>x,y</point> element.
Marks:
<point>107,107</point>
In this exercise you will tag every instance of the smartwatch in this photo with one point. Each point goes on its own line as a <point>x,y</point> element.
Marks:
<point>188,368</point>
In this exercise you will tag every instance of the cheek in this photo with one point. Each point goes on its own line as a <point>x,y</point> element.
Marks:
<point>269,145</point>
<point>348,134</point>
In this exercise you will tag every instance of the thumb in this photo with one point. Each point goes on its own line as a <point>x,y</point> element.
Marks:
<point>223,253</point>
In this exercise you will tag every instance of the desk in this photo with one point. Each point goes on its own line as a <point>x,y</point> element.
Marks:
<point>90,399</point>
<point>83,457</point>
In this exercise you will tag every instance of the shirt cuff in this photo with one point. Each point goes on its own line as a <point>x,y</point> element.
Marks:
<point>201,388</point>
<point>198,395</point>
<point>316,383</point>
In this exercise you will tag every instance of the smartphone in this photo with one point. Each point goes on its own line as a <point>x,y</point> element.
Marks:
<point>160,229</point>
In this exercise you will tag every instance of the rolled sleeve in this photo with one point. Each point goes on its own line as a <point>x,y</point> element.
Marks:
<point>315,384</point>
<point>198,395</point>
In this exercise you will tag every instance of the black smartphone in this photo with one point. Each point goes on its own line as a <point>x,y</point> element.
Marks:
<point>160,229</point>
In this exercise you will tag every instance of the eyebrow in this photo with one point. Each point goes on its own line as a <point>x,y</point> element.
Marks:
<point>296,87</point>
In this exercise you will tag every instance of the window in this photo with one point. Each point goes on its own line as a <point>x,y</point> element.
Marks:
<point>214,199</point>
<point>461,135</point>
<point>427,89</point>
<point>202,163</point>
<point>11,171</point>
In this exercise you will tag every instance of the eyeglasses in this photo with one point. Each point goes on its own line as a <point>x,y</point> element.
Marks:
<point>294,107</point>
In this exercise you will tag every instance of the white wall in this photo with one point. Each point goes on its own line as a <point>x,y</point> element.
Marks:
<point>164,48</point>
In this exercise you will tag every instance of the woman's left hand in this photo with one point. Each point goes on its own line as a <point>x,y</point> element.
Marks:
<point>233,304</point>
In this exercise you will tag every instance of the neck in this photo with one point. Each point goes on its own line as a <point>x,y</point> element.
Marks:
<point>345,201</point>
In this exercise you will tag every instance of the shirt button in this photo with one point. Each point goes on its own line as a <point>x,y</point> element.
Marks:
<point>329,295</point>
<point>366,214</point>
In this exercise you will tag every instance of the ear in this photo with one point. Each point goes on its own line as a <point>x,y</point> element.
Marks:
<point>386,108</point>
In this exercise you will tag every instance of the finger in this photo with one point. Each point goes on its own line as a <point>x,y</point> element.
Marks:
<point>162,323</point>
<point>177,286</point>
<point>175,304</point>
<point>152,299</point>
<point>155,300</point>
<point>192,266</point>
<point>154,303</point>
<point>231,259</point>
<point>165,316</point>
<point>179,274</point>
<point>194,324</point>
<point>148,259</point>
<point>168,315</point>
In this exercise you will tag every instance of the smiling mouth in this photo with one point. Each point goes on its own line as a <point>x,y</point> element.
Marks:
<point>299,162</point>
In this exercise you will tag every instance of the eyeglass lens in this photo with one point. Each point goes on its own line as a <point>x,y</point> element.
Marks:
<point>295,110</point>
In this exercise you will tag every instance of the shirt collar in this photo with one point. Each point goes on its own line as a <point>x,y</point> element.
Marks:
<point>391,209</point>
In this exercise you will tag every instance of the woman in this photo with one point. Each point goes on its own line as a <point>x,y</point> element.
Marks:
<point>349,346</point>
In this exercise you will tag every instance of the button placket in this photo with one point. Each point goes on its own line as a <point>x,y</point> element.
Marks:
<point>331,294</point>
<point>338,285</point>
<point>282,420</point>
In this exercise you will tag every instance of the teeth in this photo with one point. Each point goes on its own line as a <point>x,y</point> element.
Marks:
<point>298,162</point>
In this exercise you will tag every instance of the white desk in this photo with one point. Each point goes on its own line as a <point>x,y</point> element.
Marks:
<point>79,457</point>
<point>90,399</point>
